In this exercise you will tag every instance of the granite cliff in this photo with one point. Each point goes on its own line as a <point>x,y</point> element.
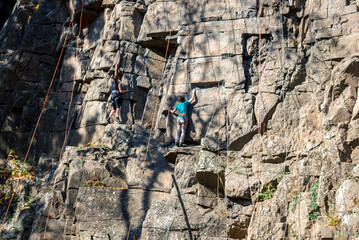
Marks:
<point>273,140</point>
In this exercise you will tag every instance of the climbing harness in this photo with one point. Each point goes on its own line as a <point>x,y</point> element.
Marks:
<point>181,119</point>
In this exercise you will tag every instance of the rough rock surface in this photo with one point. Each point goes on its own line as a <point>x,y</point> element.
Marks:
<point>273,136</point>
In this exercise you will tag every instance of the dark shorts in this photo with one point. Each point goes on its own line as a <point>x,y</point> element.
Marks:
<point>116,103</point>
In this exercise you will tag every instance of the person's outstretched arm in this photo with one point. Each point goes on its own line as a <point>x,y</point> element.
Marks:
<point>172,110</point>
<point>193,96</point>
<point>116,67</point>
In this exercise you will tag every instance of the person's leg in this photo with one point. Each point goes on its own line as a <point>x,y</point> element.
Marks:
<point>117,112</point>
<point>118,105</point>
<point>178,131</point>
<point>112,112</point>
<point>183,133</point>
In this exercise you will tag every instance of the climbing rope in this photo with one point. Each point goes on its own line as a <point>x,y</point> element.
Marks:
<point>152,126</point>
<point>227,122</point>
<point>284,122</point>
<point>67,118</point>
<point>175,214</point>
<point>218,138</point>
<point>186,186</point>
<point>39,118</point>
<point>260,142</point>
<point>259,112</point>
<point>327,120</point>
<point>225,169</point>
<point>206,131</point>
<point>188,46</point>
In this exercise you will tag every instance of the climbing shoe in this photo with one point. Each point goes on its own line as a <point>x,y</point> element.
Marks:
<point>109,120</point>
<point>176,144</point>
<point>180,145</point>
<point>117,120</point>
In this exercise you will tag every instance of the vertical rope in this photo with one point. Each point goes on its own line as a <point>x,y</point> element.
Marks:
<point>327,123</point>
<point>284,122</point>
<point>188,46</point>
<point>67,119</point>
<point>152,126</point>
<point>39,118</point>
<point>259,112</point>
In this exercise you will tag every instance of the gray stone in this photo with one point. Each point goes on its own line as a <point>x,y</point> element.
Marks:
<point>156,175</point>
<point>95,32</point>
<point>348,191</point>
<point>111,46</point>
<point>41,39</point>
<point>99,90</point>
<point>143,82</point>
<point>111,207</point>
<point>88,16</point>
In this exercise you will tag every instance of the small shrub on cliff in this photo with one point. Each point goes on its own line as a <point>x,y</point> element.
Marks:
<point>268,192</point>
<point>313,203</point>
<point>332,221</point>
<point>295,202</point>
<point>270,188</point>
<point>17,168</point>
<point>91,183</point>
<point>80,147</point>
<point>98,146</point>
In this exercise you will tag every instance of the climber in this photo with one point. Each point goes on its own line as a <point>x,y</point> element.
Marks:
<point>182,117</point>
<point>115,97</point>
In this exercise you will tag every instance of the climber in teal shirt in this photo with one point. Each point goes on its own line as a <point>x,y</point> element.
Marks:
<point>182,118</point>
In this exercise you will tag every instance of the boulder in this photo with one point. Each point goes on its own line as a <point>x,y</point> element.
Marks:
<point>210,170</point>
<point>113,210</point>
<point>117,138</point>
<point>239,217</point>
<point>73,68</point>
<point>156,174</point>
<point>84,135</point>
<point>111,46</point>
<point>241,118</point>
<point>126,61</point>
<point>347,193</point>
<point>98,90</point>
<point>94,37</point>
<point>173,152</point>
<point>211,71</point>
<point>239,180</point>
<point>264,106</point>
<point>41,39</point>
<point>185,171</point>
<point>208,42</point>
<point>87,4</point>
<point>109,3</point>
<point>53,120</point>
<point>94,113</point>
<point>166,215</point>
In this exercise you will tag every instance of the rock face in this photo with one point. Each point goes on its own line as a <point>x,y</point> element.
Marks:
<point>273,132</point>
